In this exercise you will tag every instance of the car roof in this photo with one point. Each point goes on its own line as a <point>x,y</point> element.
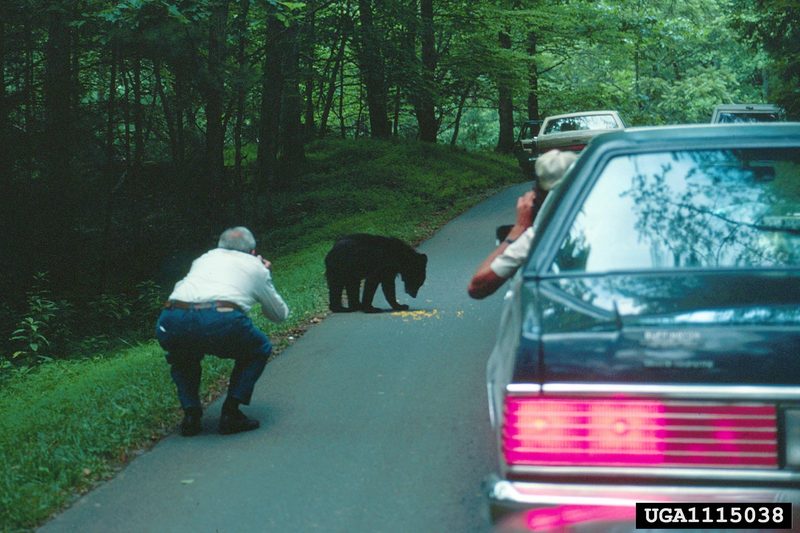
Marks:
<point>746,107</point>
<point>583,114</point>
<point>706,134</point>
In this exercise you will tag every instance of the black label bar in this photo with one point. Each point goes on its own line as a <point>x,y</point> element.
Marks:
<point>714,515</point>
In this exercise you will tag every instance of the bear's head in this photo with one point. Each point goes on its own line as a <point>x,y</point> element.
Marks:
<point>413,273</point>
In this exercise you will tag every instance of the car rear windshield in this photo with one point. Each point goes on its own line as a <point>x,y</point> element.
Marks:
<point>585,122</point>
<point>732,118</point>
<point>706,209</point>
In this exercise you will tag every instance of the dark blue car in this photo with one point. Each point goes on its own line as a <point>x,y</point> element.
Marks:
<point>649,350</point>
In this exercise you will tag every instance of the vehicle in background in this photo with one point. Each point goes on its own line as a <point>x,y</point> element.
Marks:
<point>738,113</point>
<point>573,131</point>
<point>525,147</point>
<point>648,349</point>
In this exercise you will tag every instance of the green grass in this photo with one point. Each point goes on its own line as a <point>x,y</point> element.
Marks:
<point>68,425</point>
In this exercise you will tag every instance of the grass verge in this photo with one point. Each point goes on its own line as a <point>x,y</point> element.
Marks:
<point>70,424</point>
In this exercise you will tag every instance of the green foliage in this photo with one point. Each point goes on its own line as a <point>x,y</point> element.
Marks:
<point>148,299</point>
<point>774,27</point>
<point>111,307</point>
<point>345,184</point>
<point>656,62</point>
<point>50,328</point>
<point>69,423</point>
<point>31,340</point>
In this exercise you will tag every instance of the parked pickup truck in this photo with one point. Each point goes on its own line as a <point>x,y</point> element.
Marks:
<point>525,147</point>
<point>573,131</point>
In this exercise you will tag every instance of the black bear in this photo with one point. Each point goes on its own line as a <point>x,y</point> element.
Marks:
<point>376,259</point>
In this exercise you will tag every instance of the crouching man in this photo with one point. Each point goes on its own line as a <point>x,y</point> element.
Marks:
<point>207,314</point>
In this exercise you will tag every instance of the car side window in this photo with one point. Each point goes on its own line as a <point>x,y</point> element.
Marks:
<point>711,208</point>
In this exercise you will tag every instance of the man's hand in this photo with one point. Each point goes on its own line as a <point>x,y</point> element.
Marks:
<point>485,281</point>
<point>525,210</point>
<point>265,262</point>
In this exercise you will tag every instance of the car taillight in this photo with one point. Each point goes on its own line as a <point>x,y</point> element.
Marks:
<point>638,432</point>
<point>573,148</point>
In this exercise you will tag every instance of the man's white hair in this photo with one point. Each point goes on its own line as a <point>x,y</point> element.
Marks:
<point>239,238</point>
<point>552,166</point>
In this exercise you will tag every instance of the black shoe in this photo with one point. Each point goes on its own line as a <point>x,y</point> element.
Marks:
<point>192,423</point>
<point>235,422</point>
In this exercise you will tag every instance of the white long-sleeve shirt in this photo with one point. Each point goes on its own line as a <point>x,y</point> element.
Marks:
<point>508,262</point>
<point>231,276</point>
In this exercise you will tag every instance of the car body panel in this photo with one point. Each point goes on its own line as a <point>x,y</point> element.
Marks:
<point>662,328</point>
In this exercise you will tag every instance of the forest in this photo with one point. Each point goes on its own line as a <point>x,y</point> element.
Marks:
<point>132,131</point>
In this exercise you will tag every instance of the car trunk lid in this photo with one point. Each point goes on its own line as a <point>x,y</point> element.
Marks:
<point>728,328</point>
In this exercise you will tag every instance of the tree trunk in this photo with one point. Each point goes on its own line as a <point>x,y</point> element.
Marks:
<point>408,78</point>
<point>342,128</point>
<point>5,128</point>
<point>331,92</point>
<point>75,86</point>
<point>372,67</point>
<point>636,72</point>
<point>180,113</point>
<point>169,118</point>
<point>215,131</point>
<point>138,112</point>
<point>59,192</point>
<point>457,123</point>
<point>241,92</point>
<point>126,114</point>
<point>307,56</point>
<point>8,201</point>
<point>28,84</point>
<point>111,105</point>
<point>505,143</point>
<point>533,79</point>
<point>57,85</point>
<point>396,114</point>
<point>292,153</point>
<point>111,167</point>
<point>269,127</point>
<point>360,116</point>
<point>425,108</point>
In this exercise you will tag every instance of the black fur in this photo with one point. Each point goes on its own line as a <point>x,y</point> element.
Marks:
<point>377,260</point>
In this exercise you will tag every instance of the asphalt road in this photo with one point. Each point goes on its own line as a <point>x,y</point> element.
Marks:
<point>369,423</point>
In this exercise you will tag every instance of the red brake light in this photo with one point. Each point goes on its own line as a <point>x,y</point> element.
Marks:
<point>638,432</point>
<point>574,148</point>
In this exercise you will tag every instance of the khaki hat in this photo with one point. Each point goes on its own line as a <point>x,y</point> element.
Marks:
<point>552,166</point>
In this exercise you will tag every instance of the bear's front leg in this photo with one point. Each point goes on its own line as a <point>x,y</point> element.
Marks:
<point>390,294</point>
<point>370,286</point>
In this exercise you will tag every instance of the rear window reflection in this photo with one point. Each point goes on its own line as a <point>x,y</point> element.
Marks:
<point>738,118</point>
<point>710,209</point>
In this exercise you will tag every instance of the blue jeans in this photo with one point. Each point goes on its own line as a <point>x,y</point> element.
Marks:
<point>189,334</point>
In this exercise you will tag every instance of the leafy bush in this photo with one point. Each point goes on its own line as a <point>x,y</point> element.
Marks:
<point>37,329</point>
